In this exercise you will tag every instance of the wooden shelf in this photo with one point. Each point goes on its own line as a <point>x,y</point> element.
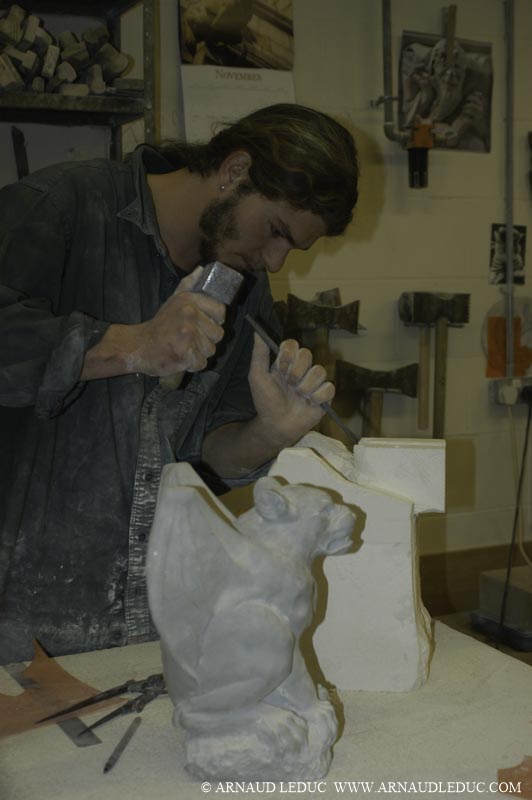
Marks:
<point>62,110</point>
<point>74,8</point>
<point>110,110</point>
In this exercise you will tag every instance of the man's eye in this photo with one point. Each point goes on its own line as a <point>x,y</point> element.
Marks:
<point>275,231</point>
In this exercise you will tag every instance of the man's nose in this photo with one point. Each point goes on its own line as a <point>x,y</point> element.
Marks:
<point>274,254</point>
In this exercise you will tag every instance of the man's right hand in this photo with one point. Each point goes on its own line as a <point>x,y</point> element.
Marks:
<point>181,337</point>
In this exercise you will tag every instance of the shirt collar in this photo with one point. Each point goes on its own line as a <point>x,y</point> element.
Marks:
<point>141,211</point>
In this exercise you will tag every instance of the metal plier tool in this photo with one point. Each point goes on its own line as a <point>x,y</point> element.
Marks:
<point>147,690</point>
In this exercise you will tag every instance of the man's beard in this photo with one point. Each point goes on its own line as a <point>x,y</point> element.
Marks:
<point>218,222</point>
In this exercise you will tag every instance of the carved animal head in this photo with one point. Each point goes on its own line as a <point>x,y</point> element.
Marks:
<point>301,519</point>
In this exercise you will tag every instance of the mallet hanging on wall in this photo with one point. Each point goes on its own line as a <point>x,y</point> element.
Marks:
<point>425,309</point>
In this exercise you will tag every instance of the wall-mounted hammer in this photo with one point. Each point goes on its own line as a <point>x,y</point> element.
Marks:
<point>425,309</point>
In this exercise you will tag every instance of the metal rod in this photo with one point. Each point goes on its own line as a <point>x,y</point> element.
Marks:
<point>390,129</point>
<point>274,347</point>
<point>122,744</point>
<point>450,30</point>
<point>509,198</point>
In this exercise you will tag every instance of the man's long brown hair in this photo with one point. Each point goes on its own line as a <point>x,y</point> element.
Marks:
<point>299,155</point>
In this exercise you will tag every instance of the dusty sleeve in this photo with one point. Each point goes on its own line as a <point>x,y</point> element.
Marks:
<point>42,341</point>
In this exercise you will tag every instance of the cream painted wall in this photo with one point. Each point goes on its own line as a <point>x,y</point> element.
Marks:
<point>435,239</point>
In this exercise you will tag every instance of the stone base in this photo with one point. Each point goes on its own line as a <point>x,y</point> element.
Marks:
<point>278,745</point>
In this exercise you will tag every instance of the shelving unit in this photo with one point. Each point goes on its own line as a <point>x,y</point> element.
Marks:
<point>112,110</point>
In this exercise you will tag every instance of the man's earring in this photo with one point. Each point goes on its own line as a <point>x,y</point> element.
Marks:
<point>222,188</point>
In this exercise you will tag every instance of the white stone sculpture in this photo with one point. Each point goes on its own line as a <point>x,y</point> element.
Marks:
<point>376,634</point>
<point>231,598</point>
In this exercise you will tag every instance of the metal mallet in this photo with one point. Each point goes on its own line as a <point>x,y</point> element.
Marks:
<point>220,282</point>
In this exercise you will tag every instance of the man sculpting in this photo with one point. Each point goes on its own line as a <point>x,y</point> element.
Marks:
<point>98,262</point>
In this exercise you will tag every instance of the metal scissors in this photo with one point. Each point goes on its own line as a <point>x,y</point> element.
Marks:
<point>147,689</point>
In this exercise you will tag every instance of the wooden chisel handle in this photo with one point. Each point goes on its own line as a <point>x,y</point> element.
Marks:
<point>423,379</point>
<point>372,422</point>
<point>440,378</point>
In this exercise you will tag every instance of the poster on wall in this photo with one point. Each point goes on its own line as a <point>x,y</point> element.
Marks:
<point>236,56</point>
<point>451,89</point>
<point>497,269</point>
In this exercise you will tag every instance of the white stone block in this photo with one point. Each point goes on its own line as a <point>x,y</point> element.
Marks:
<point>376,635</point>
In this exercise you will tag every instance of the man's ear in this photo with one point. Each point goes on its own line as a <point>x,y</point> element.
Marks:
<point>235,167</point>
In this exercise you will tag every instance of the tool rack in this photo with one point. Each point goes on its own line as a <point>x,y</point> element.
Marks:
<point>112,111</point>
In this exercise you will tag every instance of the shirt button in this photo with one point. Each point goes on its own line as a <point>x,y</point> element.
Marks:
<point>141,537</point>
<point>117,635</point>
<point>148,476</point>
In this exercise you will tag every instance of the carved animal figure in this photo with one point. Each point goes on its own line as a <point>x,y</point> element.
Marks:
<point>230,599</point>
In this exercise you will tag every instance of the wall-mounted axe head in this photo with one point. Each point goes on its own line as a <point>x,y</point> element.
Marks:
<point>366,388</point>
<point>321,312</point>
<point>351,378</point>
<point>425,309</point>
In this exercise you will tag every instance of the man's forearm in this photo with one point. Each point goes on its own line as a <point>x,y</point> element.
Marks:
<point>180,337</point>
<point>235,449</point>
<point>112,355</point>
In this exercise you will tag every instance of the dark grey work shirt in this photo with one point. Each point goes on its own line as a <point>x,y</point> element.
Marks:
<point>80,461</point>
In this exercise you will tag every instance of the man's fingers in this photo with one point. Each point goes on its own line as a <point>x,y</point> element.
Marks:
<point>312,380</point>
<point>211,329</point>
<point>287,352</point>
<point>299,367</point>
<point>324,394</point>
<point>293,362</point>
<point>212,308</point>
<point>260,358</point>
<point>315,386</point>
<point>187,284</point>
<point>294,365</point>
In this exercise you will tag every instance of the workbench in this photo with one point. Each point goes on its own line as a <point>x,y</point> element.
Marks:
<point>472,718</point>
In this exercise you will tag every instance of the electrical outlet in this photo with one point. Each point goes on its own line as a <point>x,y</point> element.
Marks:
<point>511,391</point>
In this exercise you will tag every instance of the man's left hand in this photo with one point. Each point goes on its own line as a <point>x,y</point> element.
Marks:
<point>288,395</point>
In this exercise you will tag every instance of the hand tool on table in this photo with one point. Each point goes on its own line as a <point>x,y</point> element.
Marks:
<point>122,744</point>
<point>441,310</point>
<point>310,322</point>
<point>274,347</point>
<point>220,282</point>
<point>371,385</point>
<point>147,689</point>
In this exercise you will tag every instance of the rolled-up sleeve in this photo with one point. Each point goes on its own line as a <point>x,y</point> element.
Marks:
<point>41,349</point>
